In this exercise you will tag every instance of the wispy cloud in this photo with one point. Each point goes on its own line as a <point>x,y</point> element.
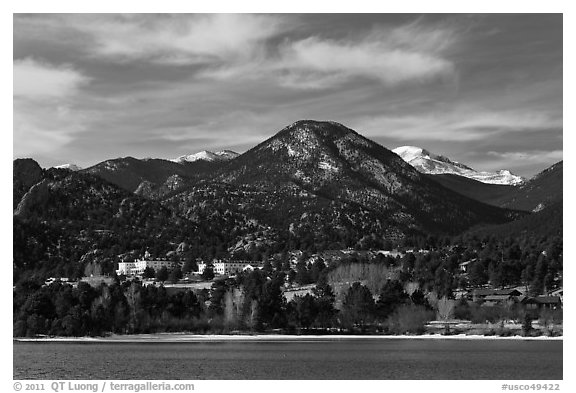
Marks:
<point>461,125</point>
<point>526,162</point>
<point>532,155</point>
<point>390,56</point>
<point>44,128</point>
<point>388,64</point>
<point>168,39</point>
<point>35,79</point>
<point>231,46</point>
<point>44,118</point>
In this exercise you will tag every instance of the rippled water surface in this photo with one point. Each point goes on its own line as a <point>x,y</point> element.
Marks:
<point>339,359</point>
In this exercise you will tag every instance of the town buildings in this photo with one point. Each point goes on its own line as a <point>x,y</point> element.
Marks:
<point>228,267</point>
<point>138,266</point>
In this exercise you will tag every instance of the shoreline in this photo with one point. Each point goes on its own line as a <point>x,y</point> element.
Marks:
<point>199,338</point>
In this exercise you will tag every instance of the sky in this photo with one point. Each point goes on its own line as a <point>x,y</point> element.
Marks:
<point>484,90</point>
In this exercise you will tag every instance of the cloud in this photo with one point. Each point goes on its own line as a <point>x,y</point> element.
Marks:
<point>377,60</point>
<point>412,53</point>
<point>42,129</point>
<point>524,162</point>
<point>417,36</point>
<point>170,39</point>
<point>35,79</point>
<point>255,47</point>
<point>44,98</point>
<point>460,124</point>
<point>531,155</point>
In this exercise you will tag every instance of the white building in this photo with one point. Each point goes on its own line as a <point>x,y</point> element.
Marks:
<point>126,268</point>
<point>137,267</point>
<point>228,267</point>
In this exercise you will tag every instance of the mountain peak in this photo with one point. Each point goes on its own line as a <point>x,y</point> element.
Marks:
<point>434,164</point>
<point>320,154</point>
<point>72,167</point>
<point>206,155</point>
<point>409,153</point>
<point>318,128</point>
<point>305,139</point>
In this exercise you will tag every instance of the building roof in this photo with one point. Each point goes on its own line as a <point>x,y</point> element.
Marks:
<point>497,298</point>
<point>548,299</point>
<point>496,292</point>
<point>482,292</point>
<point>510,292</point>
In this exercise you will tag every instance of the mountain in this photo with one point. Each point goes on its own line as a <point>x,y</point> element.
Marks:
<point>68,220</point>
<point>314,185</point>
<point>491,194</point>
<point>72,167</point>
<point>205,155</point>
<point>315,174</point>
<point>544,189</point>
<point>434,164</point>
<point>25,173</point>
<point>546,222</point>
<point>152,178</point>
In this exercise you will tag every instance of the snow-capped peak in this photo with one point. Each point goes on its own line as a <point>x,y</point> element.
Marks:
<point>206,155</point>
<point>415,155</point>
<point>72,167</point>
<point>434,164</point>
<point>409,153</point>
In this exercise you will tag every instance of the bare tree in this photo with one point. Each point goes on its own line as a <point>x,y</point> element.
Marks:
<point>133,299</point>
<point>411,287</point>
<point>239,304</point>
<point>233,304</point>
<point>445,311</point>
<point>253,318</point>
<point>432,298</point>
<point>229,310</point>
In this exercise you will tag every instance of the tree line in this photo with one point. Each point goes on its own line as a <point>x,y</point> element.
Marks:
<point>252,302</point>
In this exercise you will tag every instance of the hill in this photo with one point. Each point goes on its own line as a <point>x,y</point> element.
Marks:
<point>25,173</point>
<point>152,178</point>
<point>491,194</point>
<point>547,222</point>
<point>69,220</point>
<point>314,176</point>
<point>544,189</point>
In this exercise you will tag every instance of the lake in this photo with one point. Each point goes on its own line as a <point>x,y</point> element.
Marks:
<point>369,358</point>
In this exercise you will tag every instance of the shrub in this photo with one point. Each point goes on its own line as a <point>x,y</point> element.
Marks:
<point>481,314</point>
<point>409,319</point>
<point>462,310</point>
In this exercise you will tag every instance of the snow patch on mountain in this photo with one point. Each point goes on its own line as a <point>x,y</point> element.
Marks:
<point>72,167</point>
<point>205,155</point>
<point>111,166</point>
<point>327,166</point>
<point>434,164</point>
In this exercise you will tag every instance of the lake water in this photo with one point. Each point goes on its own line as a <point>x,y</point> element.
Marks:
<point>370,358</point>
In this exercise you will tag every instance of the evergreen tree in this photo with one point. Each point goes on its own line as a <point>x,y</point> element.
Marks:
<point>175,274</point>
<point>358,305</point>
<point>190,265</point>
<point>391,296</point>
<point>149,272</point>
<point>208,273</point>
<point>162,274</point>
